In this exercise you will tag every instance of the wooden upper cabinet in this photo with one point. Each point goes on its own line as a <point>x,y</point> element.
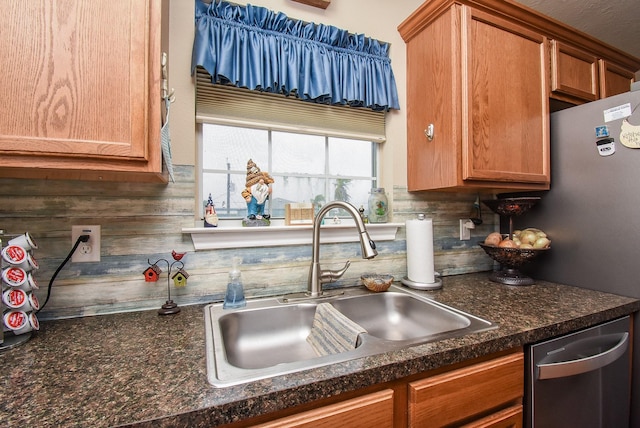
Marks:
<point>505,134</point>
<point>614,80</point>
<point>81,85</point>
<point>574,73</point>
<point>479,77</point>
<point>579,76</point>
<point>479,80</point>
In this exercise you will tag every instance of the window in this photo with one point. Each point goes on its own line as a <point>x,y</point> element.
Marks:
<point>306,167</point>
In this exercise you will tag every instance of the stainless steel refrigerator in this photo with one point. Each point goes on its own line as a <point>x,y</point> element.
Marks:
<point>592,211</point>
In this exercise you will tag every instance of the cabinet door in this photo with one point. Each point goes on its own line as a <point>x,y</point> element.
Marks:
<point>505,132</point>
<point>574,73</point>
<point>81,85</point>
<point>433,97</point>
<point>454,396</point>
<point>614,80</point>
<point>371,410</point>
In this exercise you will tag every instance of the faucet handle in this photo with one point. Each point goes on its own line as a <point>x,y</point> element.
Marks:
<point>327,276</point>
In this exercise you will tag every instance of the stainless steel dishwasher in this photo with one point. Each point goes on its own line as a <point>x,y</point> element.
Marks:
<point>581,379</point>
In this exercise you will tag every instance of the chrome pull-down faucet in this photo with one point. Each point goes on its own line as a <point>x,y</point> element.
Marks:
<point>317,276</point>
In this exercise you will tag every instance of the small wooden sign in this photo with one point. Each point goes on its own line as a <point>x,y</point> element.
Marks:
<point>298,214</point>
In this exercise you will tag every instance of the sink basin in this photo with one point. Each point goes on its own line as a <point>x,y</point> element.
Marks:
<point>256,339</point>
<point>268,337</point>
<point>399,316</point>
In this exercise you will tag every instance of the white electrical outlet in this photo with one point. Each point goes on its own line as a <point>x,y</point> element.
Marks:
<point>87,251</point>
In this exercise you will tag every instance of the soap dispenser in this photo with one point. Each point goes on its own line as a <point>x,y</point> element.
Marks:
<point>234,297</point>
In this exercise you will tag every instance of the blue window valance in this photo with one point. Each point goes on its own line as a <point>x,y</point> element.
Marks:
<point>256,48</point>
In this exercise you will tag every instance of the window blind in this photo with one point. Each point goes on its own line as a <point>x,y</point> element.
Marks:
<point>216,103</point>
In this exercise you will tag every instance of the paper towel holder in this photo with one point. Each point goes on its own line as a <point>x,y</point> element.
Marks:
<point>435,285</point>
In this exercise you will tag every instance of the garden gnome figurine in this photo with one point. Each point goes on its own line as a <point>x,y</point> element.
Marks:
<point>256,193</point>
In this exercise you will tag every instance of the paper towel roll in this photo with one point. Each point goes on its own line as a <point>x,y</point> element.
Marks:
<point>420,251</point>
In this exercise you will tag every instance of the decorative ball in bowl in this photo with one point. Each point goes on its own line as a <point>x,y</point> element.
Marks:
<point>377,282</point>
<point>512,257</point>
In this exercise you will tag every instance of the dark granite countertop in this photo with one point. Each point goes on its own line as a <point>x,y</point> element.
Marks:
<point>142,369</point>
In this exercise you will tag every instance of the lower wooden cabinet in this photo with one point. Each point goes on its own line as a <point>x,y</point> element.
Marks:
<point>511,417</point>
<point>483,394</point>
<point>370,410</point>
<point>467,393</point>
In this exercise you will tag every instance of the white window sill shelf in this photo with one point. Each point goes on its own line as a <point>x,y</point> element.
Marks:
<point>231,234</point>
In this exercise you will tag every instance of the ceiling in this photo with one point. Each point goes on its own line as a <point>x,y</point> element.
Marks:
<point>615,22</point>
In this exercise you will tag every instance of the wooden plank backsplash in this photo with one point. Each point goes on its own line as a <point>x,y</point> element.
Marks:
<point>142,221</point>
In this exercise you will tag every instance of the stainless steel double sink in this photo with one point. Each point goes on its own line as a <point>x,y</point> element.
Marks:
<point>268,337</point>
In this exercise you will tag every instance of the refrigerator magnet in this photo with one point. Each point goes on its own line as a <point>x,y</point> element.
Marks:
<point>619,112</point>
<point>602,131</point>
<point>630,135</point>
<point>606,146</point>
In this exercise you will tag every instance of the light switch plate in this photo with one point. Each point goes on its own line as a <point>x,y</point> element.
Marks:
<point>465,232</point>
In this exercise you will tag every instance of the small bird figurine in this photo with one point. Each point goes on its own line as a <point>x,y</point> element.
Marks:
<point>177,256</point>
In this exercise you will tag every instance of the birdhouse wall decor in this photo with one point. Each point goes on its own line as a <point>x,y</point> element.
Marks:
<point>180,278</point>
<point>152,273</point>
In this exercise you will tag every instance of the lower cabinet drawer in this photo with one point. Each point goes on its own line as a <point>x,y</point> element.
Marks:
<point>371,410</point>
<point>511,417</point>
<point>473,391</point>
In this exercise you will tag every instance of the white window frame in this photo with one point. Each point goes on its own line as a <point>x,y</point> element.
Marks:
<point>240,107</point>
<point>270,129</point>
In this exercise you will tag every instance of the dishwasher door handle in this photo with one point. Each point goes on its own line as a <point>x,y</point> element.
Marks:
<point>574,366</point>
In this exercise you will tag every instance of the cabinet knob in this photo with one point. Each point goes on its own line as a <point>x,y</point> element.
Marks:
<point>429,132</point>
